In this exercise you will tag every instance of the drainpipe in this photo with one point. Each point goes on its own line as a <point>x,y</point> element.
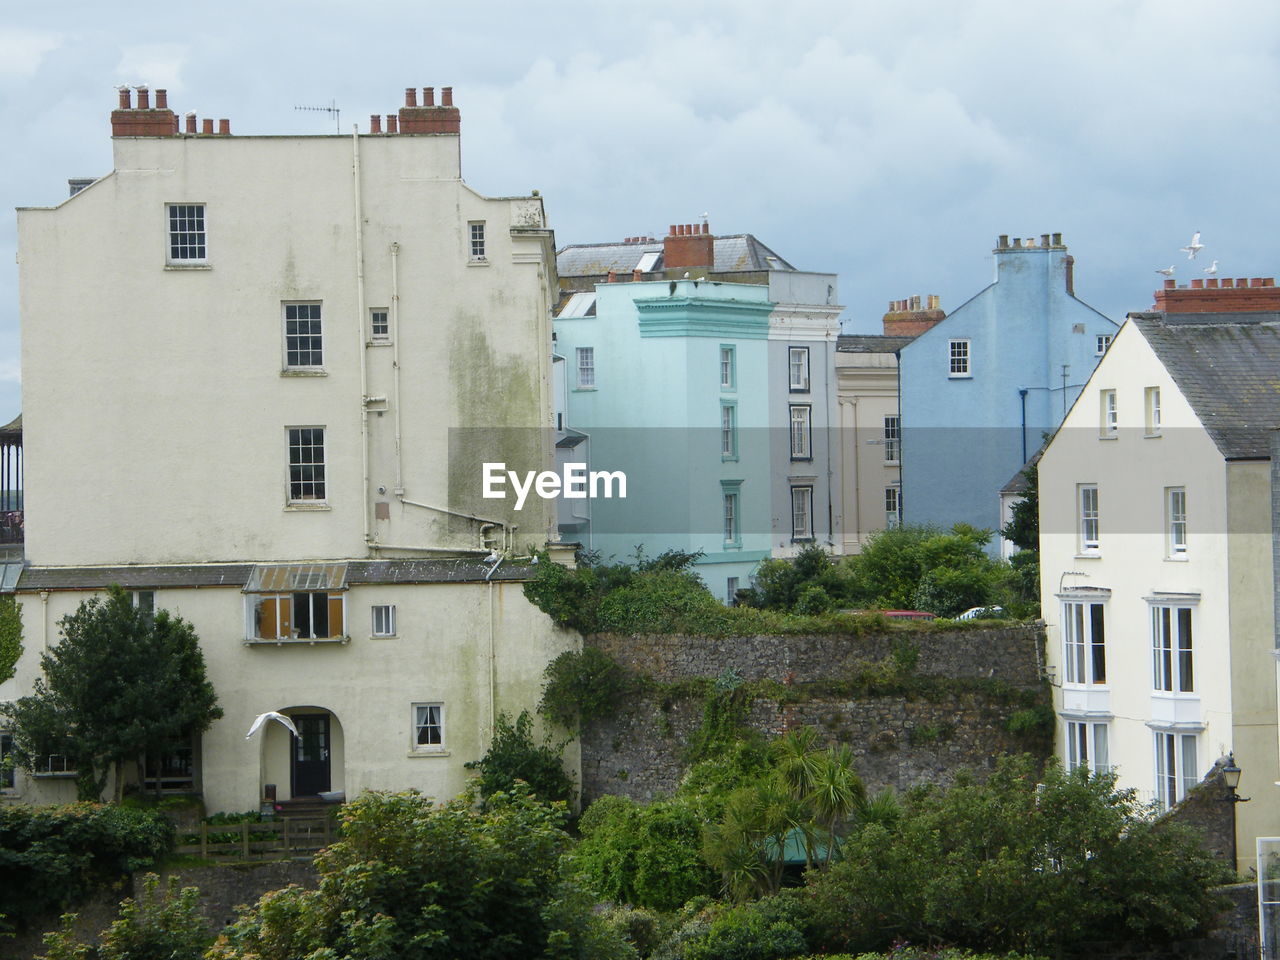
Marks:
<point>395,361</point>
<point>902,444</point>
<point>44,620</point>
<point>359,325</point>
<point>829,368</point>
<point>1023,394</point>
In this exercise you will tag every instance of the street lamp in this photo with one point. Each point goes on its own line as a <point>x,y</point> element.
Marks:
<point>1231,777</point>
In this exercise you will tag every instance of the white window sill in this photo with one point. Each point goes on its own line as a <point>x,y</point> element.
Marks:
<point>384,636</point>
<point>1089,555</point>
<point>294,641</point>
<point>892,463</point>
<point>303,372</point>
<point>425,754</point>
<point>1108,436</point>
<point>303,506</point>
<point>1177,558</point>
<point>1152,436</point>
<point>728,458</point>
<point>195,265</point>
<point>477,262</point>
<point>960,376</point>
<point>378,343</point>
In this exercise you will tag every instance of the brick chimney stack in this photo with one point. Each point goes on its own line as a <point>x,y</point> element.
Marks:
<point>688,245</point>
<point>1243,295</point>
<point>427,118</point>
<point>143,120</point>
<point>910,318</point>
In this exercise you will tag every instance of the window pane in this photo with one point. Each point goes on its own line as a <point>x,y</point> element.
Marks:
<point>1186,678</point>
<point>1101,758</point>
<point>1190,769</point>
<point>1097,637</point>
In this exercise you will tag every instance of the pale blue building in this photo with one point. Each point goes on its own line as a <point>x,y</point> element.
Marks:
<point>665,380</point>
<point>980,389</point>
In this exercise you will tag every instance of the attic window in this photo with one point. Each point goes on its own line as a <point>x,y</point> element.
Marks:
<point>648,260</point>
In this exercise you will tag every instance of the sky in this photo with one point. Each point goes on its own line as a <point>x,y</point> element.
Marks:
<point>887,142</point>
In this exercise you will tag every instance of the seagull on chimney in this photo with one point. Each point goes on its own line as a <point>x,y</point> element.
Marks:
<point>1167,271</point>
<point>1194,247</point>
<point>1212,269</point>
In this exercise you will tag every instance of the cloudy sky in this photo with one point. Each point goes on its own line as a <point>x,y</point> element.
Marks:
<point>887,142</point>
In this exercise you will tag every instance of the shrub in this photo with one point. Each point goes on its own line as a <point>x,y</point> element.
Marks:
<point>1013,864</point>
<point>583,686</point>
<point>10,635</point>
<point>771,928</point>
<point>513,755</point>
<point>163,925</point>
<point>645,856</point>
<point>51,857</point>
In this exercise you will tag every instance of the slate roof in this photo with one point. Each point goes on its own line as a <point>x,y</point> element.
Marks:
<point>870,343</point>
<point>742,252</point>
<point>438,570</point>
<point>1227,365</point>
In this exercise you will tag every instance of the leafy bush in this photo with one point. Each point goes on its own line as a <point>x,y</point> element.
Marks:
<point>582,686</point>
<point>163,925</point>
<point>782,584</point>
<point>660,601</point>
<point>51,857</point>
<point>1013,864</point>
<point>771,928</point>
<point>513,755</point>
<point>644,856</point>
<point>10,635</point>
<point>415,880</point>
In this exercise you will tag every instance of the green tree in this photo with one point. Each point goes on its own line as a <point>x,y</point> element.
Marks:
<point>1023,528</point>
<point>120,684</point>
<point>415,881</point>
<point>1021,862</point>
<point>581,686</point>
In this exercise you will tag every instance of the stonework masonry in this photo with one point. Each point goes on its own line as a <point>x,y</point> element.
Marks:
<point>898,741</point>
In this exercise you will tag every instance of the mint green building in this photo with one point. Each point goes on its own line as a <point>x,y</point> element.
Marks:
<point>668,382</point>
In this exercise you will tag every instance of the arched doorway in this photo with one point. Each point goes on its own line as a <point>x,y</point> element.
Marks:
<point>310,765</point>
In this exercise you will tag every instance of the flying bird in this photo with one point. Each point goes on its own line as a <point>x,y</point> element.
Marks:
<point>1194,247</point>
<point>1212,269</point>
<point>1167,271</point>
<point>262,718</point>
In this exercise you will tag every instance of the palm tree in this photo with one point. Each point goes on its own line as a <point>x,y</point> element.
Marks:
<point>836,795</point>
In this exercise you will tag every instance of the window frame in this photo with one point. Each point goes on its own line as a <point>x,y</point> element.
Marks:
<point>1084,643</point>
<point>419,722</point>
<point>893,439</point>
<point>731,513</point>
<point>293,341</point>
<point>959,358</point>
<point>801,429</point>
<point>295,492</point>
<point>1173,649</point>
<point>587,382</point>
<point>728,366</point>
<point>892,508</point>
<point>1088,518</point>
<point>1102,342</point>
<point>1084,746</point>
<point>803,533</point>
<point>202,242</point>
<point>728,430</point>
<point>389,616</point>
<point>1108,414</point>
<point>477,249</point>
<point>1176,765</point>
<point>285,627</point>
<point>1151,411</point>
<point>798,363</point>
<point>374,335</point>
<point>1175,522</point>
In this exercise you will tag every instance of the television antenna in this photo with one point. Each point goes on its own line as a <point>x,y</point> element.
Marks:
<point>331,109</point>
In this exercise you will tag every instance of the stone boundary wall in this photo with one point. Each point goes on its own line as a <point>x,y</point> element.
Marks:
<point>898,741</point>
<point>1011,653</point>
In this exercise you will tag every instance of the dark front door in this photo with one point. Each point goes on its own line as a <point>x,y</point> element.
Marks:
<point>311,755</point>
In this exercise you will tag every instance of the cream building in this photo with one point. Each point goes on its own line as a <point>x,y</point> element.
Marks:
<point>1155,525</point>
<point>261,375</point>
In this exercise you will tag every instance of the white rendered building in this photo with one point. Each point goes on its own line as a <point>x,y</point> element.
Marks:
<point>1156,553</point>
<point>260,377</point>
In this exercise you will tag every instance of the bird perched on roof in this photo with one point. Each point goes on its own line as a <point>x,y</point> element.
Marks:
<point>1212,269</point>
<point>1167,271</point>
<point>262,718</point>
<point>1194,247</point>
<point>686,274</point>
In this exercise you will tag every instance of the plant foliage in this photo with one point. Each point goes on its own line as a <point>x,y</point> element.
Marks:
<point>415,881</point>
<point>51,857</point>
<point>514,755</point>
<point>120,684</point>
<point>10,635</point>
<point>580,687</point>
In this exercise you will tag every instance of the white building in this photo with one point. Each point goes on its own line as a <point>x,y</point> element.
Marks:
<point>260,377</point>
<point>1156,552</point>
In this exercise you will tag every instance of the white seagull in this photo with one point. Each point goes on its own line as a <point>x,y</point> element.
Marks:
<point>1212,269</point>
<point>270,715</point>
<point>1194,247</point>
<point>1167,271</point>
